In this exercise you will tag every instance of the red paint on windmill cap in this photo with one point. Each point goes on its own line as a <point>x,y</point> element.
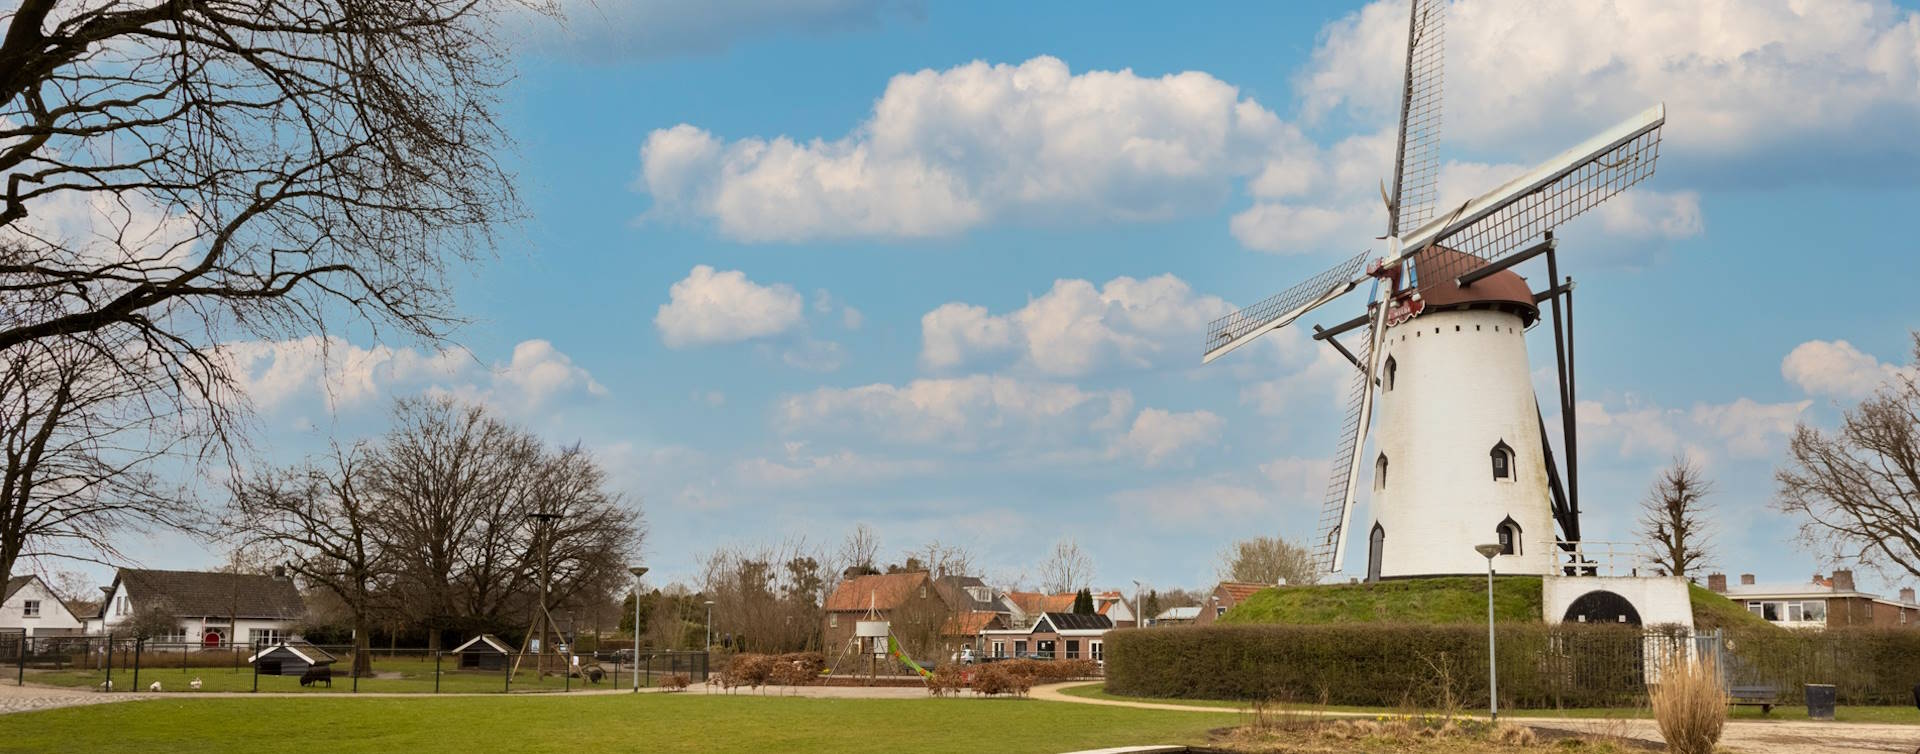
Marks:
<point>1438,269</point>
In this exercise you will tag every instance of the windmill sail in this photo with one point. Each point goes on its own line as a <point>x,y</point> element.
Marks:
<point>1234,330</point>
<point>1544,198</point>
<point>1336,509</point>
<point>1416,165</point>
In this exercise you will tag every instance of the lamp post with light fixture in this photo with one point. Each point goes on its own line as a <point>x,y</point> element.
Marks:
<point>1493,682</point>
<point>637,572</point>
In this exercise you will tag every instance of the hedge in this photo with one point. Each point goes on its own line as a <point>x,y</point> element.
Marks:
<point>1541,666</point>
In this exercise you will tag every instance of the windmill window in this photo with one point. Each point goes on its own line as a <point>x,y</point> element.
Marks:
<point>1456,328</point>
<point>1502,458</point>
<point>1509,535</point>
<point>1476,328</point>
<point>1391,368</point>
<point>1380,472</point>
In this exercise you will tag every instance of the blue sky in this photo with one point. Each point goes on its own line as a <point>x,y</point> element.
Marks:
<point>945,268</point>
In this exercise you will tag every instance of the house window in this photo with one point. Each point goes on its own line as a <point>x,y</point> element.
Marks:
<point>1073,649</point>
<point>1814,610</point>
<point>999,649</point>
<point>1390,369</point>
<point>1502,457</point>
<point>30,609</point>
<point>1096,651</point>
<point>265,636</point>
<point>923,591</point>
<point>1380,472</point>
<point>120,605</point>
<point>1219,610</point>
<point>1509,533</point>
<point>833,620</point>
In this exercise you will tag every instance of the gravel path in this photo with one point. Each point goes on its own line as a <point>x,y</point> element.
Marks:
<point>1751,737</point>
<point>31,698</point>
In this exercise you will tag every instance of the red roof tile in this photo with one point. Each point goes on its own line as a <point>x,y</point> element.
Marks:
<point>883,591</point>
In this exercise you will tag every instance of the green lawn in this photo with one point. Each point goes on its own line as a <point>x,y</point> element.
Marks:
<point>1430,600</point>
<point>399,675</point>
<point>1900,715</point>
<point>643,722</point>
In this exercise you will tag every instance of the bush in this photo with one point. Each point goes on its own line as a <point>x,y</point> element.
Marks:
<point>797,669</point>
<point>676,682</point>
<point>948,680</point>
<point>1689,705</point>
<point>1867,666</point>
<point>1001,678</point>
<point>750,670</point>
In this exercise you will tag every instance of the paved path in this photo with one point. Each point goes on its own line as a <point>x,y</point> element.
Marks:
<point>1782,737</point>
<point>31,698</point>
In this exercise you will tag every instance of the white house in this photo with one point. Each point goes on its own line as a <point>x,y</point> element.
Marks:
<point>210,609</point>
<point>30,606</point>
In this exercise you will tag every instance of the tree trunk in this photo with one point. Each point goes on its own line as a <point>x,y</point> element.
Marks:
<point>362,658</point>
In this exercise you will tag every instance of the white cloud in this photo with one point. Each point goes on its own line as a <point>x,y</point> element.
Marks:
<point>1075,329</point>
<point>598,31</point>
<point>1301,373</point>
<point>842,467</point>
<point>1743,428</point>
<point>274,374</point>
<point>1737,75</point>
<point>709,307</point>
<point>962,413</point>
<point>948,150</point>
<point>1748,429</point>
<point>1158,435</point>
<point>815,355</point>
<point>1835,368</point>
<point>1302,481</point>
<point>1201,503</point>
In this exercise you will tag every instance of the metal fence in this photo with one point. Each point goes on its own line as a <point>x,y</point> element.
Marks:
<point>114,664</point>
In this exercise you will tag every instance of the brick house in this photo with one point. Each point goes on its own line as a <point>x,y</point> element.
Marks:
<point>1058,635</point>
<point>1823,602</point>
<point>1225,596</point>
<point>917,609</point>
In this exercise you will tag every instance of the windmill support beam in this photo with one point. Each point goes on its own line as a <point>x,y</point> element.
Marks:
<point>1342,349</point>
<point>1563,363</point>
<point>1340,329</point>
<point>1506,262</point>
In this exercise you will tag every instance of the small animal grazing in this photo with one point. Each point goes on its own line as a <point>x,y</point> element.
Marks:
<point>106,685</point>
<point>155,687</point>
<point>195,683</point>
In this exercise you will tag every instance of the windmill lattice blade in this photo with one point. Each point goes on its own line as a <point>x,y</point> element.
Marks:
<point>1494,230</point>
<point>1234,330</point>
<point>1334,508</point>
<point>1416,170</point>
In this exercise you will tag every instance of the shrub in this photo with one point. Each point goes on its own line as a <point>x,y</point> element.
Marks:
<point>997,678</point>
<point>948,680</point>
<point>676,682</point>
<point>750,670</point>
<point>797,669</point>
<point>1689,705</point>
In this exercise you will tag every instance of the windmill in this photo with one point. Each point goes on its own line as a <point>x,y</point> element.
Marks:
<point>1463,452</point>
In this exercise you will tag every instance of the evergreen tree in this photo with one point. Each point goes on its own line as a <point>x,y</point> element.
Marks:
<point>1083,602</point>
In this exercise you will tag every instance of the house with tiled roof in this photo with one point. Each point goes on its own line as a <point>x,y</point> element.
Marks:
<point>1029,606</point>
<point>210,609</point>
<point>1823,602</point>
<point>32,609</point>
<point>910,601</point>
<point>1225,596</point>
<point>1053,635</point>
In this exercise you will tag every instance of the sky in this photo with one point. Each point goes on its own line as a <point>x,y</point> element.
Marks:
<point>945,268</point>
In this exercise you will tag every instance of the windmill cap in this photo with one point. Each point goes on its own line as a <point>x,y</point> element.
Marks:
<point>1439,267</point>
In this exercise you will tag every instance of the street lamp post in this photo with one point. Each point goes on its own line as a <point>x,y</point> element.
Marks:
<point>1493,672</point>
<point>1139,608</point>
<point>637,572</point>
<point>709,646</point>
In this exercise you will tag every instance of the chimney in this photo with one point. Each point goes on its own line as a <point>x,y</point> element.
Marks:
<point>1906,595</point>
<point>1746,579</point>
<point>1843,580</point>
<point>1717,583</point>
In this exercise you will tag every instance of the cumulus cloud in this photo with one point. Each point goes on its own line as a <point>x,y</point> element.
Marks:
<point>274,374</point>
<point>1076,328</point>
<point>1743,429</point>
<point>1158,435</point>
<point>599,31</point>
<point>948,150</point>
<point>709,307</point>
<point>1835,368</point>
<point>962,413</point>
<point>1737,76</point>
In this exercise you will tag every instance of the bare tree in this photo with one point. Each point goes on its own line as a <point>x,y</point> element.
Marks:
<point>940,560</point>
<point>1268,560</point>
<point>320,522</point>
<point>1856,490</point>
<point>767,597</point>
<point>1674,521</point>
<point>260,167</point>
<point>860,550</point>
<point>1067,569</point>
<point>81,429</point>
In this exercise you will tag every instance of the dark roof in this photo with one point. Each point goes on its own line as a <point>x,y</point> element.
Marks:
<point>16,584</point>
<point>1078,622</point>
<point>1438,266</point>
<point>956,588</point>
<point>205,593</point>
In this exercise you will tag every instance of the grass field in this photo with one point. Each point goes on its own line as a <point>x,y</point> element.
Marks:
<point>406,675</point>
<point>1899,715</point>
<point>1435,600</point>
<point>644,722</point>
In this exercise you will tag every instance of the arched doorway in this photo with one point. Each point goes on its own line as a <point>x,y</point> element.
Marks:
<point>1602,606</point>
<point>1375,542</point>
<point>211,640</point>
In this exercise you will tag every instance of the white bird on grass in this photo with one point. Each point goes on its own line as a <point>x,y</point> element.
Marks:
<point>155,687</point>
<point>106,685</point>
<point>195,683</point>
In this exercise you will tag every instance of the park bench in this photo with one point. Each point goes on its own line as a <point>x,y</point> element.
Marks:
<point>1764,697</point>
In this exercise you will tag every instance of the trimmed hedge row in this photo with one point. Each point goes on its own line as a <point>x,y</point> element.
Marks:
<point>1541,666</point>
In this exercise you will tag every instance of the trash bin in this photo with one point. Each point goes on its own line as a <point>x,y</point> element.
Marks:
<point>1820,698</point>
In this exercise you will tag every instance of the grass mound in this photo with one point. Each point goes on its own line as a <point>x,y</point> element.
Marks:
<point>1450,599</point>
<point>1711,611</point>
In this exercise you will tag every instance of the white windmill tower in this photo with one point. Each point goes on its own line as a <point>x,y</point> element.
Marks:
<point>1462,453</point>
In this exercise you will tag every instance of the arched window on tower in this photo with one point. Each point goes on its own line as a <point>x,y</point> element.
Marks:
<point>1502,458</point>
<point>1380,472</point>
<point>1509,533</point>
<point>1387,379</point>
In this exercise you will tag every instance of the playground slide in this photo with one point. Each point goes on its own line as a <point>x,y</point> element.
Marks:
<point>893,646</point>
